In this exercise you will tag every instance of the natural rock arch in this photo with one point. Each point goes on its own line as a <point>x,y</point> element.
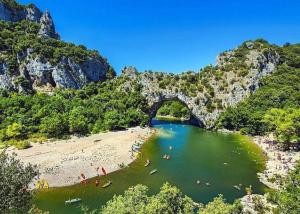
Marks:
<point>220,87</point>
<point>171,97</point>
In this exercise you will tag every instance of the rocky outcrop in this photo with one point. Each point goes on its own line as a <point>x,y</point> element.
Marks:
<point>47,26</point>
<point>33,72</point>
<point>43,76</point>
<point>253,204</point>
<point>30,13</point>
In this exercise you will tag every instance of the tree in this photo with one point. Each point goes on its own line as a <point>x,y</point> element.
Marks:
<point>170,200</point>
<point>14,130</point>
<point>78,122</point>
<point>285,123</point>
<point>14,181</point>
<point>135,200</point>
<point>217,206</point>
<point>112,120</point>
<point>54,125</point>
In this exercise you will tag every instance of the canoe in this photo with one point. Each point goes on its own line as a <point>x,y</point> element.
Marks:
<point>153,171</point>
<point>107,184</point>
<point>72,201</point>
<point>147,163</point>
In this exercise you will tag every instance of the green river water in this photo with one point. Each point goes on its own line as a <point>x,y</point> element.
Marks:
<point>197,155</point>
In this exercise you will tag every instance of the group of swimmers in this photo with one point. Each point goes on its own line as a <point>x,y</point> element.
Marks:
<point>83,178</point>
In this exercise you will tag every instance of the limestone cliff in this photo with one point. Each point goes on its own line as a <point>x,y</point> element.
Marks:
<point>14,12</point>
<point>36,60</point>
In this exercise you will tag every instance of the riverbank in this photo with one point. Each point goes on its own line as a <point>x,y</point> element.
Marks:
<point>62,162</point>
<point>171,118</point>
<point>278,163</point>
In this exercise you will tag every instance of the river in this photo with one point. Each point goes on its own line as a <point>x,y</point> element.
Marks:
<point>222,160</point>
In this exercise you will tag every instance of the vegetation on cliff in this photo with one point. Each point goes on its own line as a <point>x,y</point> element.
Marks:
<point>278,94</point>
<point>16,38</point>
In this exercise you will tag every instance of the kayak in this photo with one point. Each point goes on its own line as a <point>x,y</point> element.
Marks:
<point>72,201</point>
<point>153,171</point>
<point>107,184</point>
<point>237,187</point>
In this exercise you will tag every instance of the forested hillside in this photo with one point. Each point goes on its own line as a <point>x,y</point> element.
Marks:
<point>95,108</point>
<point>275,106</point>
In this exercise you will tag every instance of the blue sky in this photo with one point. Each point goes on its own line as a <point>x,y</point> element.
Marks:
<point>172,36</point>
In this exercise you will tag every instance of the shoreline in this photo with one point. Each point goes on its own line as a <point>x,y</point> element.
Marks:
<point>62,162</point>
<point>278,163</point>
<point>171,118</point>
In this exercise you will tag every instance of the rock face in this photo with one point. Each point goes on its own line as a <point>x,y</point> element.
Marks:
<point>261,63</point>
<point>30,13</point>
<point>42,76</point>
<point>33,72</point>
<point>67,74</point>
<point>47,26</point>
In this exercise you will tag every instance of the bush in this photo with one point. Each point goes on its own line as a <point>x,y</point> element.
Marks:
<point>22,145</point>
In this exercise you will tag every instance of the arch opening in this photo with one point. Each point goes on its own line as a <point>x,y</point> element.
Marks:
<point>174,109</point>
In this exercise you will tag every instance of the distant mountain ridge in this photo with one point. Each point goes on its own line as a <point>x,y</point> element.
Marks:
<point>36,59</point>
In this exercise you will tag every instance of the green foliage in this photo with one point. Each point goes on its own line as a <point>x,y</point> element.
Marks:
<point>14,131</point>
<point>14,181</point>
<point>290,54</point>
<point>53,125</point>
<point>16,38</point>
<point>169,200</point>
<point>280,90</point>
<point>217,206</point>
<point>22,144</point>
<point>285,123</point>
<point>96,107</point>
<point>287,199</point>
<point>174,109</point>
<point>135,200</point>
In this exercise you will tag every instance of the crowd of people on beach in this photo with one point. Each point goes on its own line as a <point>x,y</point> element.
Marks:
<point>279,162</point>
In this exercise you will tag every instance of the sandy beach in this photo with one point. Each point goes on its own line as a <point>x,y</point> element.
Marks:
<point>279,163</point>
<point>61,162</point>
